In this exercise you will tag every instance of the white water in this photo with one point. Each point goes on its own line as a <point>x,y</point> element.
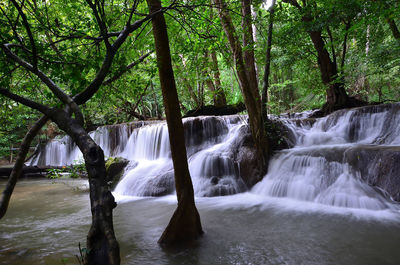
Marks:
<point>315,170</point>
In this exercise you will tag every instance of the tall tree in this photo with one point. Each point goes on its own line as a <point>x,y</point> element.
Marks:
<point>185,223</point>
<point>336,96</point>
<point>245,69</point>
<point>268,60</point>
<point>102,246</point>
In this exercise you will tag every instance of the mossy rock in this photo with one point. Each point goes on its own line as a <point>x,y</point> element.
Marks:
<point>115,167</point>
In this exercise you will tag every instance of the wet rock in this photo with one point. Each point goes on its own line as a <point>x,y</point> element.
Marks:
<point>200,130</point>
<point>247,159</point>
<point>115,167</point>
<point>160,185</point>
<point>378,166</point>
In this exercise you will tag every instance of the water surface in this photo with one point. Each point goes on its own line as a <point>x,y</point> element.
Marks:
<point>47,220</point>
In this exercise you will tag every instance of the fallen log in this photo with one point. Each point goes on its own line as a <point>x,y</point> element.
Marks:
<point>216,110</point>
<point>26,170</point>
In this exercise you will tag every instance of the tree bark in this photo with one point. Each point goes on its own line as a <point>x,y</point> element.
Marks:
<point>219,97</point>
<point>393,27</point>
<point>267,69</point>
<point>185,223</point>
<point>102,246</point>
<point>19,163</point>
<point>251,97</point>
<point>248,44</point>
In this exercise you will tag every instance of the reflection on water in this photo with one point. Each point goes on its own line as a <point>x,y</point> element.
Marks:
<point>46,220</point>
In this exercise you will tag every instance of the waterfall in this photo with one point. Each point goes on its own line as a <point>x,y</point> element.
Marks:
<point>209,143</point>
<point>321,167</point>
<point>347,159</point>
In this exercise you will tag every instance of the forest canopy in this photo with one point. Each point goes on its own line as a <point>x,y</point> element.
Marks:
<point>361,37</point>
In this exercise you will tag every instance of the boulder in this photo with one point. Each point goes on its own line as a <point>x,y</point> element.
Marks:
<point>115,167</point>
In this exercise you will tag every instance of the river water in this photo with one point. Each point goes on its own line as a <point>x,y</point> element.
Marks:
<point>47,219</point>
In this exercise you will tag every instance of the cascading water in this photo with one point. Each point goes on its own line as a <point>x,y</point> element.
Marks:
<point>208,141</point>
<point>346,159</point>
<point>319,168</point>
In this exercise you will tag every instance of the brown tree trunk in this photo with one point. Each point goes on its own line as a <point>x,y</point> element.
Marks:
<point>185,223</point>
<point>252,98</point>
<point>248,44</point>
<point>267,64</point>
<point>336,96</point>
<point>19,163</point>
<point>219,97</point>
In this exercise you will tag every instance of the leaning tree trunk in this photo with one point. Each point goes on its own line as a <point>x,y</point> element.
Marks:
<point>102,246</point>
<point>19,163</point>
<point>185,223</point>
<point>252,98</point>
<point>336,96</point>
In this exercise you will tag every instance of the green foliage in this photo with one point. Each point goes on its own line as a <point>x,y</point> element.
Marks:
<point>55,173</point>
<point>371,67</point>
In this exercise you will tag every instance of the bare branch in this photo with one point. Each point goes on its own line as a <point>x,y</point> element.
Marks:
<point>100,22</point>
<point>24,101</point>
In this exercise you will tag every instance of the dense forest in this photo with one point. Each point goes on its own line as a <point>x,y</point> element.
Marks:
<point>360,37</point>
<point>71,67</point>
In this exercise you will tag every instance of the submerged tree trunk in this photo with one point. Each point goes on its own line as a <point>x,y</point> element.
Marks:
<point>185,223</point>
<point>102,246</point>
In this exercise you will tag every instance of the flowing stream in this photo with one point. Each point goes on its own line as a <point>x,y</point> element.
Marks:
<point>46,221</point>
<point>330,199</point>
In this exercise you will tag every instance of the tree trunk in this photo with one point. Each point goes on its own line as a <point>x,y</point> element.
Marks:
<point>336,96</point>
<point>251,97</point>
<point>19,163</point>
<point>248,44</point>
<point>185,223</point>
<point>219,97</point>
<point>267,64</point>
<point>102,246</point>
<point>393,28</point>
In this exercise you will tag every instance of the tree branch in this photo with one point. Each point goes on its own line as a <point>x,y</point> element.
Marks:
<point>101,74</point>
<point>293,3</point>
<point>126,69</point>
<point>27,102</point>
<point>28,30</point>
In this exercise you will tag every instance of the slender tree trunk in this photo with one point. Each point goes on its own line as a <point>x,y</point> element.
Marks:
<point>19,163</point>
<point>192,93</point>
<point>185,223</point>
<point>158,110</point>
<point>267,64</point>
<point>102,246</point>
<point>393,27</point>
<point>219,98</point>
<point>248,53</point>
<point>336,96</point>
<point>252,98</point>
<point>348,24</point>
